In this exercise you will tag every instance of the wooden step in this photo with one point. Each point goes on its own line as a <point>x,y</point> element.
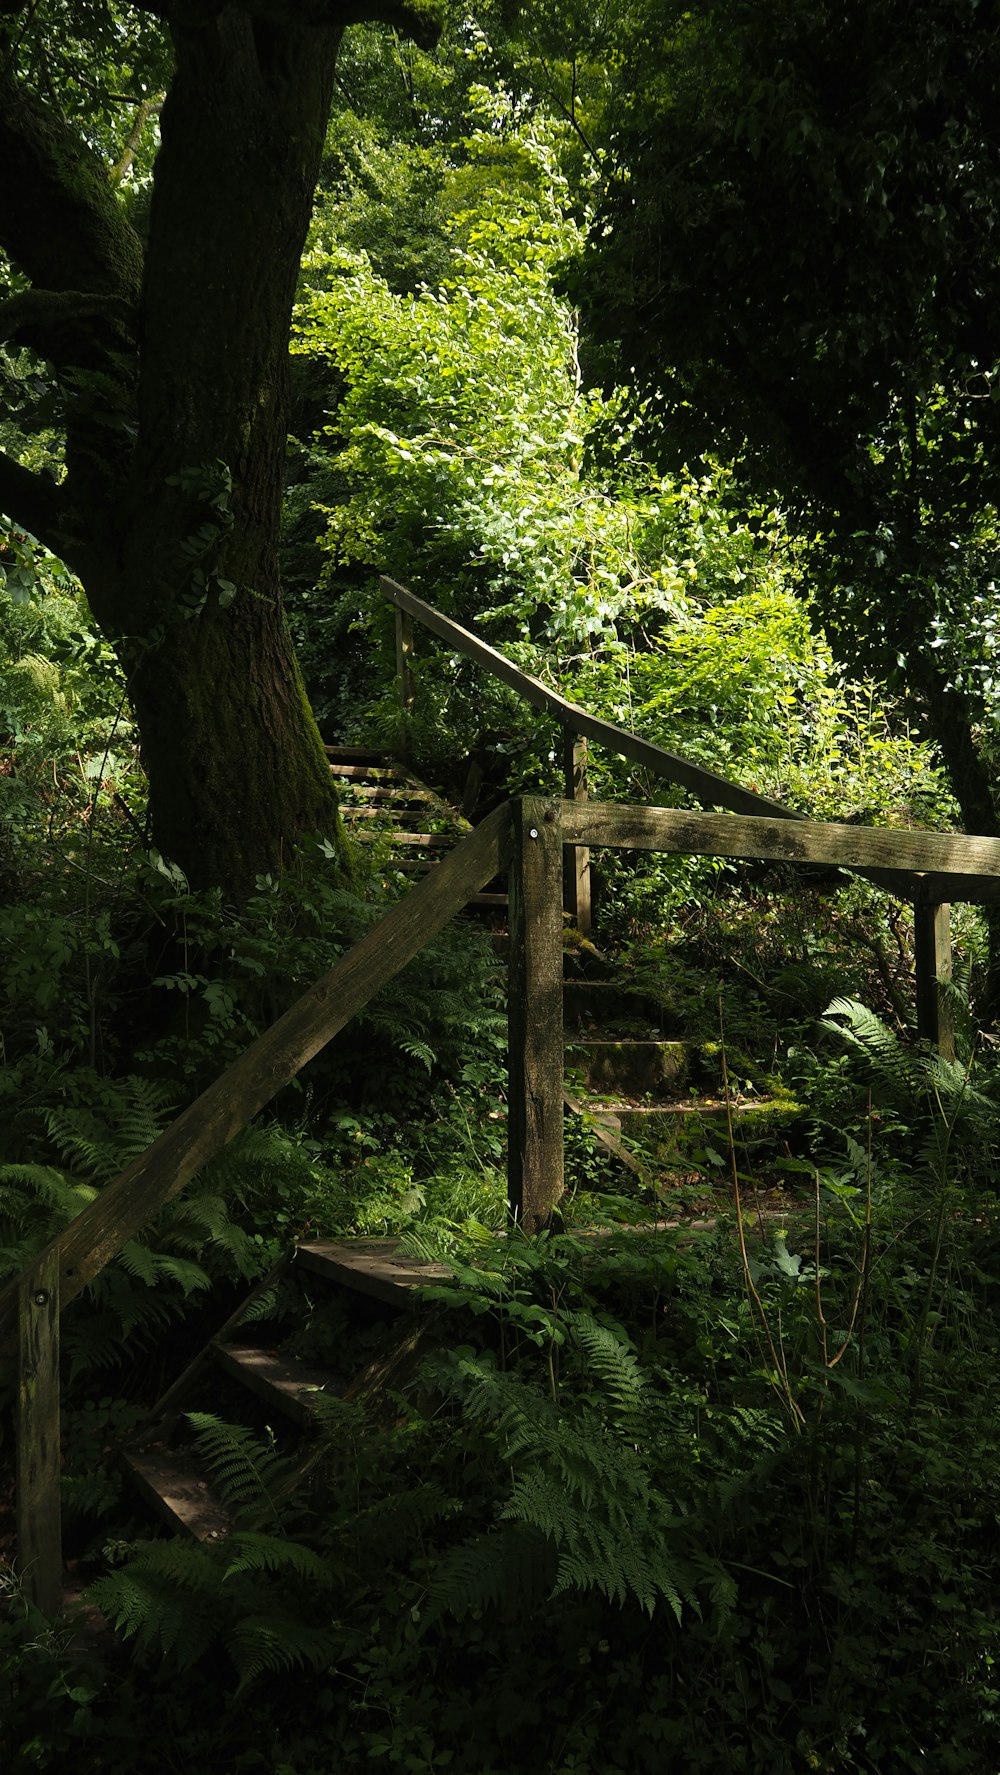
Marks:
<point>416,840</point>
<point>376,1267</point>
<point>280,1381</point>
<point>356,755</point>
<point>670,1132</point>
<point>606,1002</point>
<point>368,773</point>
<point>178,1490</point>
<point>630,1067</point>
<point>387,796</point>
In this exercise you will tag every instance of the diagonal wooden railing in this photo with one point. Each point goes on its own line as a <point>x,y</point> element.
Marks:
<point>930,889</point>
<point>33,1301</point>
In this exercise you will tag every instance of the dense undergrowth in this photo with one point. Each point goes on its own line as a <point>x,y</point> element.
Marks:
<point>713,1501</point>
<point>645,1507</point>
<point>724,1501</point>
<point>695,1501</point>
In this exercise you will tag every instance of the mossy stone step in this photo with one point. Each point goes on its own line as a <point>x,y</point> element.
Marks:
<point>631,1068</point>
<point>672,1133</point>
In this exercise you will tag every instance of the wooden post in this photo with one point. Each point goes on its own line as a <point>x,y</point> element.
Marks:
<point>39,1534</point>
<point>535,1023</point>
<point>576,863</point>
<point>932,963</point>
<point>404,675</point>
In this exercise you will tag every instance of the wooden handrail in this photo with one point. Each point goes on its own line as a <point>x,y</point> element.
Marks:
<point>709,788</point>
<point>713,790</point>
<point>124,1206</point>
<point>958,866</point>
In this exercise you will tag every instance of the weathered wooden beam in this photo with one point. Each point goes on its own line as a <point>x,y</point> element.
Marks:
<point>714,790</point>
<point>933,888</point>
<point>535,1021</point>
<point>404,674</point>
<point>271,1062</point>
<point>932,964</point>
<point>576,862</point>
<point>891,849</point>
<point>711,790</point>
<point>39,1532</point>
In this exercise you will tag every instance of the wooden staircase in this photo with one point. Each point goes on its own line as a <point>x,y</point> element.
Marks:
<point>650,1098</point>
<point>382,803</point>
<point>378,1283</point>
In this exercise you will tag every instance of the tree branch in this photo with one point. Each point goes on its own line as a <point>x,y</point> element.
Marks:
<point>419,21</point>
<point>60,221</point>
<point>40,318</point>
<point>148,109</point>
<point>38,503</point>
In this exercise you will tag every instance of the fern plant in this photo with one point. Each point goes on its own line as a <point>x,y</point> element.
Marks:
<point>951,1106</point>
<point>258,1592</point>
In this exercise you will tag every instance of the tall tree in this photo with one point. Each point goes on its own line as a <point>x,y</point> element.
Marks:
<point>167,335</point>
<point>797,252</point>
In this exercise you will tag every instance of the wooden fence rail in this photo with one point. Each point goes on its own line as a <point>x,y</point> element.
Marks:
<point>931,885</point>
<point>30,1304</point>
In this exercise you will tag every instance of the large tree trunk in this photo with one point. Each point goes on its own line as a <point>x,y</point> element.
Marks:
<point>235,764</point>
<point>172,358</point>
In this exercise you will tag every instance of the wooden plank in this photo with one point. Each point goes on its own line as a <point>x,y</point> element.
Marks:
<point>125,1205</point>
<point>416,840</point>
<point>164,1413</point>
<point>375,1267</point>
<point>805,841</point>
<point>368,773</point>
<point>404,673</point>
<point>534,1014</point>
<point>932,962</point>
<point>705,784</point>
<point>291,1386</point>
<point>576,859</point>
<point>39,1529</point>
<point>398,796</point>
<point>357,755</point>
<point>178,1490</point>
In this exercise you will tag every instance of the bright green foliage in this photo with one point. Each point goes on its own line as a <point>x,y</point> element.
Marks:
<point>747,687</point>
<point>66,740</point>
<point>474,467</point>
<point>465,456</point>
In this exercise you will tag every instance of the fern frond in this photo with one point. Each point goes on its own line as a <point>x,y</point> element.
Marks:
<point>189,1276</point>
<point>166,1598</point>
<point>247,1471</point>
<point>510,1568</point>
<point>418,1050</point>
<point>24,1184</point>
<point>137,1260</point>
<point>264,1644</point>
<point>614,1364</point>
<point>203,1216</point>
<point>901,1070</point>
<point>100,1140</point>
<point>271,1553</point>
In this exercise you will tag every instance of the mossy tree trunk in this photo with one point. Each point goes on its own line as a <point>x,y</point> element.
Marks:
<point>171,354</point>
